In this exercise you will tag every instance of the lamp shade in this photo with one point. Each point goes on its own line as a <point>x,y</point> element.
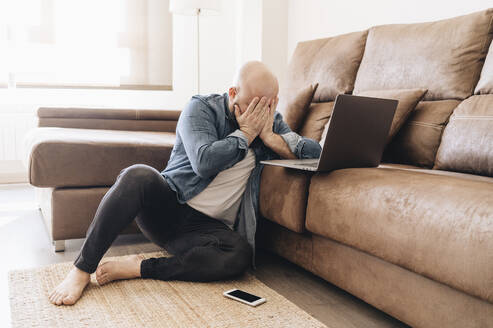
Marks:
<point>190,7</point>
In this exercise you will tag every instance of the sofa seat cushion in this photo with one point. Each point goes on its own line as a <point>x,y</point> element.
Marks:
<point>283,196</point>
<point>436,224</point>
<point>64,157</point>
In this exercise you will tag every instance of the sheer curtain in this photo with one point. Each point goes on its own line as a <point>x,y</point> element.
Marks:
<point>94,43</point>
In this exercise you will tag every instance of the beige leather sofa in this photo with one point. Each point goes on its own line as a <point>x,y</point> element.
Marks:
<point>413,237</point>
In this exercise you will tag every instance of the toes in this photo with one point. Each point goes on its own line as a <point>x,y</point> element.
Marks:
<point>69,300</point>
<point>103,279</point>
<point>106,279</point>
<point>59,300</point>
<point>54,297</point>
<point>53,292</point>
<point>100,270</point>
<point>60,297</point>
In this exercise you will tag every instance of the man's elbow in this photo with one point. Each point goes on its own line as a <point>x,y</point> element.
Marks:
<point>311,149</point>
<point>204,171</point>
<point>201,164</point>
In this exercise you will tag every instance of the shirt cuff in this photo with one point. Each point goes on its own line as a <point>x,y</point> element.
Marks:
<point>242,138</point>
<point>292,139</point>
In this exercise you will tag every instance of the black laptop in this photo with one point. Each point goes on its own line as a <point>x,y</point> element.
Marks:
<point>356,136</point>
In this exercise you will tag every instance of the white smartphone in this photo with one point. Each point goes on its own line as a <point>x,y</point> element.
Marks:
<point>244,297</point>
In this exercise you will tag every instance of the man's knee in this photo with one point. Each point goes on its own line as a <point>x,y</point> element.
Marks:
<point>139,174</point>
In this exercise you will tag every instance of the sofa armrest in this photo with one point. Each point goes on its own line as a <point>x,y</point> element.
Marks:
<point>284,195</point>
<point>109,118</point>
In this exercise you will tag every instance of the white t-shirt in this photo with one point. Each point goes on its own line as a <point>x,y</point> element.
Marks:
<point>221,199</point>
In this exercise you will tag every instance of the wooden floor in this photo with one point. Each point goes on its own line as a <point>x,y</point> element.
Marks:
<point>24,244</point>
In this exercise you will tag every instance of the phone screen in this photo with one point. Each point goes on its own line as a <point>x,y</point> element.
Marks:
<point>244,295</point>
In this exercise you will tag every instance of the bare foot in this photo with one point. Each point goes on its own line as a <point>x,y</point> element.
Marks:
<point>115,270</point>
<point>70,289</point>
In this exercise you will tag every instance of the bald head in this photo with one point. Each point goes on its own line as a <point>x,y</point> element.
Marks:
<point>253,79</point>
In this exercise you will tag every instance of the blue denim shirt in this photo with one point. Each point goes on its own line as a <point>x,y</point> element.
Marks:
<point>208,141</point>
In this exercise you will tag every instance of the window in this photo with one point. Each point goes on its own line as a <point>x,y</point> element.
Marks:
<point>86,43</point>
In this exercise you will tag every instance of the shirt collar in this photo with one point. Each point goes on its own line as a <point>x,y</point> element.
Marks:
<point>229,115</point>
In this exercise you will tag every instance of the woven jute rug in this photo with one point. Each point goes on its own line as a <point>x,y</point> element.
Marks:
<point>147,302</point>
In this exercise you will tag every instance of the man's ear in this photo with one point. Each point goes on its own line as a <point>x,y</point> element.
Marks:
<point>232,93</point>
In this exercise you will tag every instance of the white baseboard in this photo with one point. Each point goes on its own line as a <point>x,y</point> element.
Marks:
<point>13,172</point>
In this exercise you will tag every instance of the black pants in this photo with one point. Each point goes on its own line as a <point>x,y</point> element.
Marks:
<point>204,248</point>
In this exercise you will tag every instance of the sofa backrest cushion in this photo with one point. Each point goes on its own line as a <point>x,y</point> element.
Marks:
<point>294,106</point>
<point>485,84</point>
<point>108,113</point>
<point>467,142</point>
<point>331,62</point>
<point>316,119</point>
<point>408,99</point>
<point>108,118</point>
<point>417,141</point>
<point>444,56</point>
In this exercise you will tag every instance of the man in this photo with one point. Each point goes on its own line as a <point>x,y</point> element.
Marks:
<point>203,207</point>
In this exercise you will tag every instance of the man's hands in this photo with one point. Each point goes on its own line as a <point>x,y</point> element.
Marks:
<point>254,119</point>
<point>266,131</point>
<point>258,120</point>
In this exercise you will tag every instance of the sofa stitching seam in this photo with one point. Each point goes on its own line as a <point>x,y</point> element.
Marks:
<point>430,125</point>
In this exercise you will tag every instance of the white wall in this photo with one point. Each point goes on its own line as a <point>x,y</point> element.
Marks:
<point>261,33</point>
<point>312,19</point>
<point>218,52</point>
<point>248,31</point>
<point>275,36</point>
<point>159,64</point>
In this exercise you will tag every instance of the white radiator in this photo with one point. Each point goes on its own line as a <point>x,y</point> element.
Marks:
<point>14,125</point>
<point>13,128</point>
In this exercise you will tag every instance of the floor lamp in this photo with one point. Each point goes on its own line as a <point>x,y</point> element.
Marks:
<point>197,8</point>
